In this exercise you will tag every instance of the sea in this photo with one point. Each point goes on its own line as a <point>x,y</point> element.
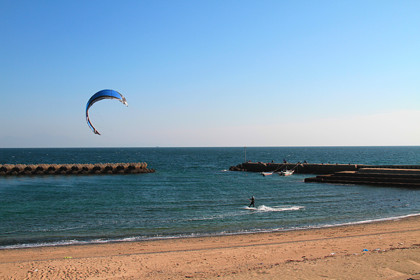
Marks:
<point>191,194</point>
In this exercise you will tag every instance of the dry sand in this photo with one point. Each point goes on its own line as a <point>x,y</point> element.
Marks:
<point>382,250</point>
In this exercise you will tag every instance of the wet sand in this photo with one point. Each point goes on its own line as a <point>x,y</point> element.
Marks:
<point>381,250</point>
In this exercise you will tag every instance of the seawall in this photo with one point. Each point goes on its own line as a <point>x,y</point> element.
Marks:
<point>311,168</point>
<point>406,176</point>
<point>73,169</point>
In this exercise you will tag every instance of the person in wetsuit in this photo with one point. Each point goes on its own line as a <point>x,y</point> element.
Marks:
<point>252,199</point>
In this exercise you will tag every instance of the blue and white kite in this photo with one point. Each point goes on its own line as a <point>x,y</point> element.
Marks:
<point>103,94</point>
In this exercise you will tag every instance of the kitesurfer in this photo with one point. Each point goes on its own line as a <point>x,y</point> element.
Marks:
<point>252,199</point>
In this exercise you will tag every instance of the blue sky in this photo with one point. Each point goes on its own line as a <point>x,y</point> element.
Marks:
<point>210,73</point>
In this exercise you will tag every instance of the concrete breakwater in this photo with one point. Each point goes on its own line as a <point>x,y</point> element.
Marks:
<point>73,169</point>
<point>407,176</point>
<point>311,168</point>
<point>304,168</point>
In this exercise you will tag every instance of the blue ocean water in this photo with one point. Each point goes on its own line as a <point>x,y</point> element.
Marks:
<point>191,194</point>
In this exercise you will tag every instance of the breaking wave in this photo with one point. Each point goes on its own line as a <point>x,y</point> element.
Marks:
<point>264,208</point>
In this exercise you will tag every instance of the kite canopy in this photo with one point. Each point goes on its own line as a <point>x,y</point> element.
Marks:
<point>103,94</point>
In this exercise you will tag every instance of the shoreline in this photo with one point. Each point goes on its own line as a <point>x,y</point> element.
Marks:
<point>65,243</point>
<point>377,250</point>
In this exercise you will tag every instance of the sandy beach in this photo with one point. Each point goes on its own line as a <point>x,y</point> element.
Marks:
<point>381,250</point>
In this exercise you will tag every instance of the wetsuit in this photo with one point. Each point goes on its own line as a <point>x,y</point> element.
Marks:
<point>252,202</point>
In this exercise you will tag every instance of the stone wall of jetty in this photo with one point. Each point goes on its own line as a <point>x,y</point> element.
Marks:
<point>73,169</point>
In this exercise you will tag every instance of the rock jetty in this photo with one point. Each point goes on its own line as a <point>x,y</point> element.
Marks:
<point>73,169</point>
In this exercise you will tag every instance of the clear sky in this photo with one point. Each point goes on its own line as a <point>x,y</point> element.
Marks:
<point>210,73</point>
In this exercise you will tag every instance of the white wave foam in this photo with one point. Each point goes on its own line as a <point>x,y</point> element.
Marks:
<point>191,235</point>
<point>264,208</point>
<point>372,221</point>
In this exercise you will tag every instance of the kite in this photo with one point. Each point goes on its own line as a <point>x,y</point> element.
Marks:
<point>103,94</point>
